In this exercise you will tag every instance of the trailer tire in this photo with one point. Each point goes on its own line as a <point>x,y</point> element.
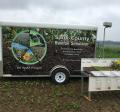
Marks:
<point>60,76</point>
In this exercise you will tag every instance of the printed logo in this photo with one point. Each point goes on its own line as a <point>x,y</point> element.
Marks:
<point>29,47</point>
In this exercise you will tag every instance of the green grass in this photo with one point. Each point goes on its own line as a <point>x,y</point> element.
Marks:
<point>109,52</point>
<point>72,106</point>
<point>98,68</point>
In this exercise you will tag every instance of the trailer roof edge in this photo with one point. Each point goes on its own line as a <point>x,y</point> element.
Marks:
<point>46,25</point>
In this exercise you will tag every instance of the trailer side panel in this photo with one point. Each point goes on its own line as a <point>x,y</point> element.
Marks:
<point>35,51</point>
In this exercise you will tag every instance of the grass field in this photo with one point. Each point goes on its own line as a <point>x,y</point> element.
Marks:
<point>109,52</point>
<point>38,95</point>
<point>41,95</point>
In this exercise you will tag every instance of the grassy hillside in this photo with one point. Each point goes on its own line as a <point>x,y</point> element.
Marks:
<point>112,50</point>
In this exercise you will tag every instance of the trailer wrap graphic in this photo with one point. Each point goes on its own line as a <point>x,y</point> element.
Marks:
<point>35,51</point>
<point>29,47</point>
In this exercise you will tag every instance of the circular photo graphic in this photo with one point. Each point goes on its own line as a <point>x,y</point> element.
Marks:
<point>29,47</point>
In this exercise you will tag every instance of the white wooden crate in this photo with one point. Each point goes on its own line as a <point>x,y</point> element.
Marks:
<point>104,83</point>
<point>101,80</point>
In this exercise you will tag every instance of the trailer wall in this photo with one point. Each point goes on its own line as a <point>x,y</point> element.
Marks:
<point>36,50</point>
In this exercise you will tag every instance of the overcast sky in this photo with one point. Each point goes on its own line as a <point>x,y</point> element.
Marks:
<point>82,12</point>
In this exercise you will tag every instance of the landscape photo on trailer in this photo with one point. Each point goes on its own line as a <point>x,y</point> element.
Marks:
<point>35,51</point>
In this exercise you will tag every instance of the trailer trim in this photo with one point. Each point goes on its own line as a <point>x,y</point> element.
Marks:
<point>46,25</point>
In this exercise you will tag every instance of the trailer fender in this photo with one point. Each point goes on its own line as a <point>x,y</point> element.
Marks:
<point>58,66</point>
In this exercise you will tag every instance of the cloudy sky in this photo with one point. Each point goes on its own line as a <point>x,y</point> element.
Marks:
<point>82,12</point>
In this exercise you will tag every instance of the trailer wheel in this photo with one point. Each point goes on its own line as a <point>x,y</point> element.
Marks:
<point>60,76</point>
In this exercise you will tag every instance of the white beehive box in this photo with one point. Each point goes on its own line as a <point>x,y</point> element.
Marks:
<point>105,82</point>
<point>101,80</point>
